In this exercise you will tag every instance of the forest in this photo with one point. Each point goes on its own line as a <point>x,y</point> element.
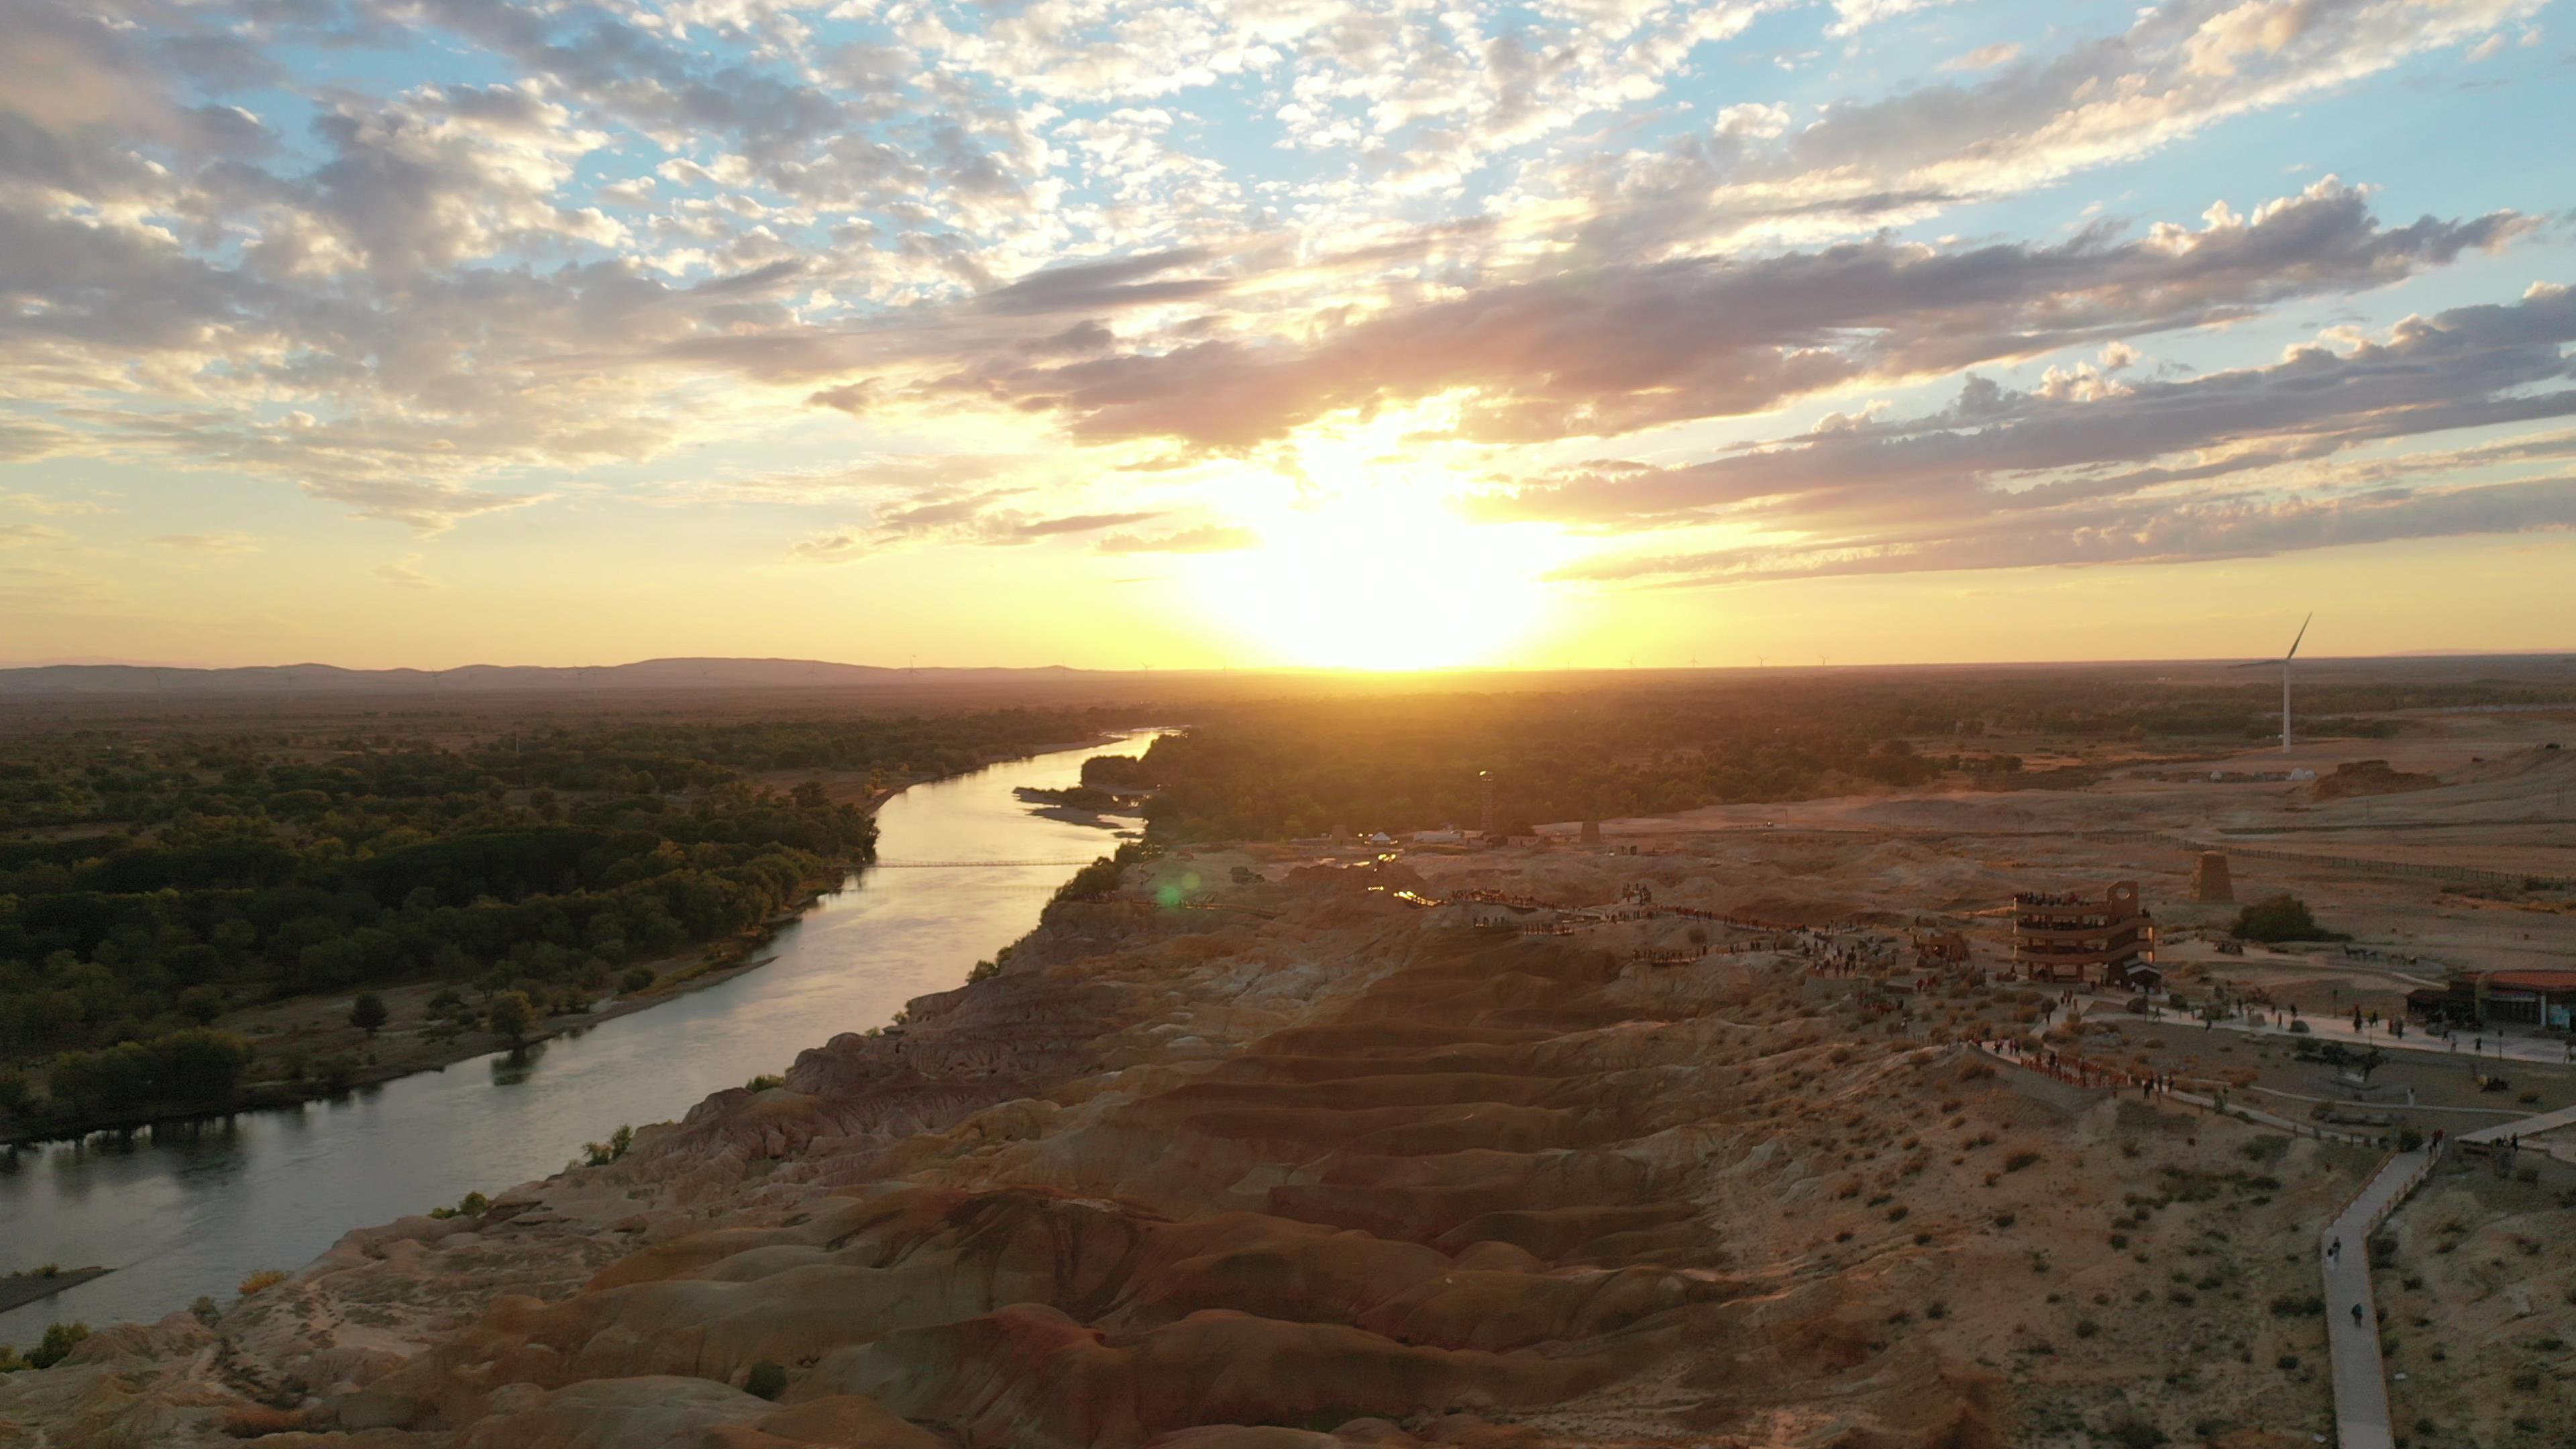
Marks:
<point>151,880</point>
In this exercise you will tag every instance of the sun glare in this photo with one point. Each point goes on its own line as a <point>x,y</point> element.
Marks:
<point>1383,582</point>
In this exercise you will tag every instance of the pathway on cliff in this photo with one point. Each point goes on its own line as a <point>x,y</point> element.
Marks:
<point>2352,1318</point>
<point>2360,1378</point>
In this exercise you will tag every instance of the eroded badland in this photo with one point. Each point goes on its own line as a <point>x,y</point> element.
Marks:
<point>1287,1158</point>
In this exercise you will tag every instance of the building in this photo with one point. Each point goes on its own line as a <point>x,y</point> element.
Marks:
<point>2080,937</point>
<point>2544,998</point>
<point>2209,879</point>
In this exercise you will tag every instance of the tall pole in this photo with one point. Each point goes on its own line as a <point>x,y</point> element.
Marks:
<point>2285,706</point>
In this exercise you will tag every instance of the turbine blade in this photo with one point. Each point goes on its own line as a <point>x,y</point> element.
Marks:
<point>2294,643</point>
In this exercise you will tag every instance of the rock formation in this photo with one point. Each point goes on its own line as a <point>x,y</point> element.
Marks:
<point>1311,1169</point>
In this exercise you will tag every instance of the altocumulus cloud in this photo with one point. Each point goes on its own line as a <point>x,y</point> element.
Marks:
<point>429,263</point>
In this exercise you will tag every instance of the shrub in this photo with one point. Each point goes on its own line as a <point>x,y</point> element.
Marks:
<point>637,978</point>
<point>59,1340</point>
<point>766,1081</point>
<point>2086,1328</point>
<point>368,1013</point>
<point>260,1281</point>
<point>2136,1434</point>
<point>2280,918</point>
<point>472,1205</point>
<point>2287,1362</point>
<point>767,1381</point>
<point>2019,1160</point>
<point>600,1154</point>
<point>205,1311</point>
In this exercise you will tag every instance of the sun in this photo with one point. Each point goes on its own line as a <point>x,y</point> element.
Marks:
<point>1383,581</point>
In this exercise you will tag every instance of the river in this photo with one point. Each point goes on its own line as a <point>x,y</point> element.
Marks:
<point>192,1208</point>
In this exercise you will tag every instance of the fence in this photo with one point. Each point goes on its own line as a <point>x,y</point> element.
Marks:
<point>2465,875</point>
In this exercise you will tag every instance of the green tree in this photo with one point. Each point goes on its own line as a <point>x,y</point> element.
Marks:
<point>2279,918</point>
<point>201,1004</point>
<point>368,1013</point>
<point>510,1015</point>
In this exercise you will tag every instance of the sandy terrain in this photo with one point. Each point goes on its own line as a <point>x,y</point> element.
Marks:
<point>1309,1165</point>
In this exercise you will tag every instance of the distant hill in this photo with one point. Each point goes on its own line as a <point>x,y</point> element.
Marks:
<point>661,675</point>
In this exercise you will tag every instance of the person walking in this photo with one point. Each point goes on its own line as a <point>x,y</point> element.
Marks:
<point>2334,1251</point>
<point>2356,1315</point>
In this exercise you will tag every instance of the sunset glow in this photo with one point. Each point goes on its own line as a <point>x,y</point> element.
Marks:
<point>1340,334</point>
<point>1381,582</point>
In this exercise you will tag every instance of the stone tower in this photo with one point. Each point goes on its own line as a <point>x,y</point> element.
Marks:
<point>2209,880</point>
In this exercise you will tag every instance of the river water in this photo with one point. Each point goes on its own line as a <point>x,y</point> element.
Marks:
<point>193,1208</point>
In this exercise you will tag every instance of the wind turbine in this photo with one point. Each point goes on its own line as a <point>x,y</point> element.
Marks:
<point>2284,662</point>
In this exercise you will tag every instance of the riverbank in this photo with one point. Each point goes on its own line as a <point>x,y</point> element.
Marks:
<point>321,1057</point>
<point>20,1289</point>
<point>1317,1158</point>
<point>307,1050</point>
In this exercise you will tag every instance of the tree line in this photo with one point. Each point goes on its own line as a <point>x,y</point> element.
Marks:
<point>150,884</point>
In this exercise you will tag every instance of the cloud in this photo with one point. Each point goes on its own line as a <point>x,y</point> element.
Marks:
<point>1853,16</point>
<point>20,535</point>
<point>423,299</point>
<point>1103,286</point>
<point>210,543</point>
<point>1984,57</point>
<point>828,548</point>
<point>2133,532</point>
<point>2143,470</point>
<point>1206,538</point>
<point>1617,349</point>
<point>404,573</point>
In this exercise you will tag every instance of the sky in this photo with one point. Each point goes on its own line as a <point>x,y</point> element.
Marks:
<point>1299,332</point>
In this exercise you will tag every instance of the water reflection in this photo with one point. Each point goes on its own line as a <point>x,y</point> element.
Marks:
<point>192,1208</point>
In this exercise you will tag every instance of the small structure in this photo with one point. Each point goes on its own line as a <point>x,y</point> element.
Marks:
<point>1590,834</point>
<point>2078,938</point>
<point>2209,880</point>
<point>2542,998</point>
<point>1934,950</point>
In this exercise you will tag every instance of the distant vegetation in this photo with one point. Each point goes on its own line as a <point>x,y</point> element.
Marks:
<point>150,882</point>
<point>1408,762</point>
